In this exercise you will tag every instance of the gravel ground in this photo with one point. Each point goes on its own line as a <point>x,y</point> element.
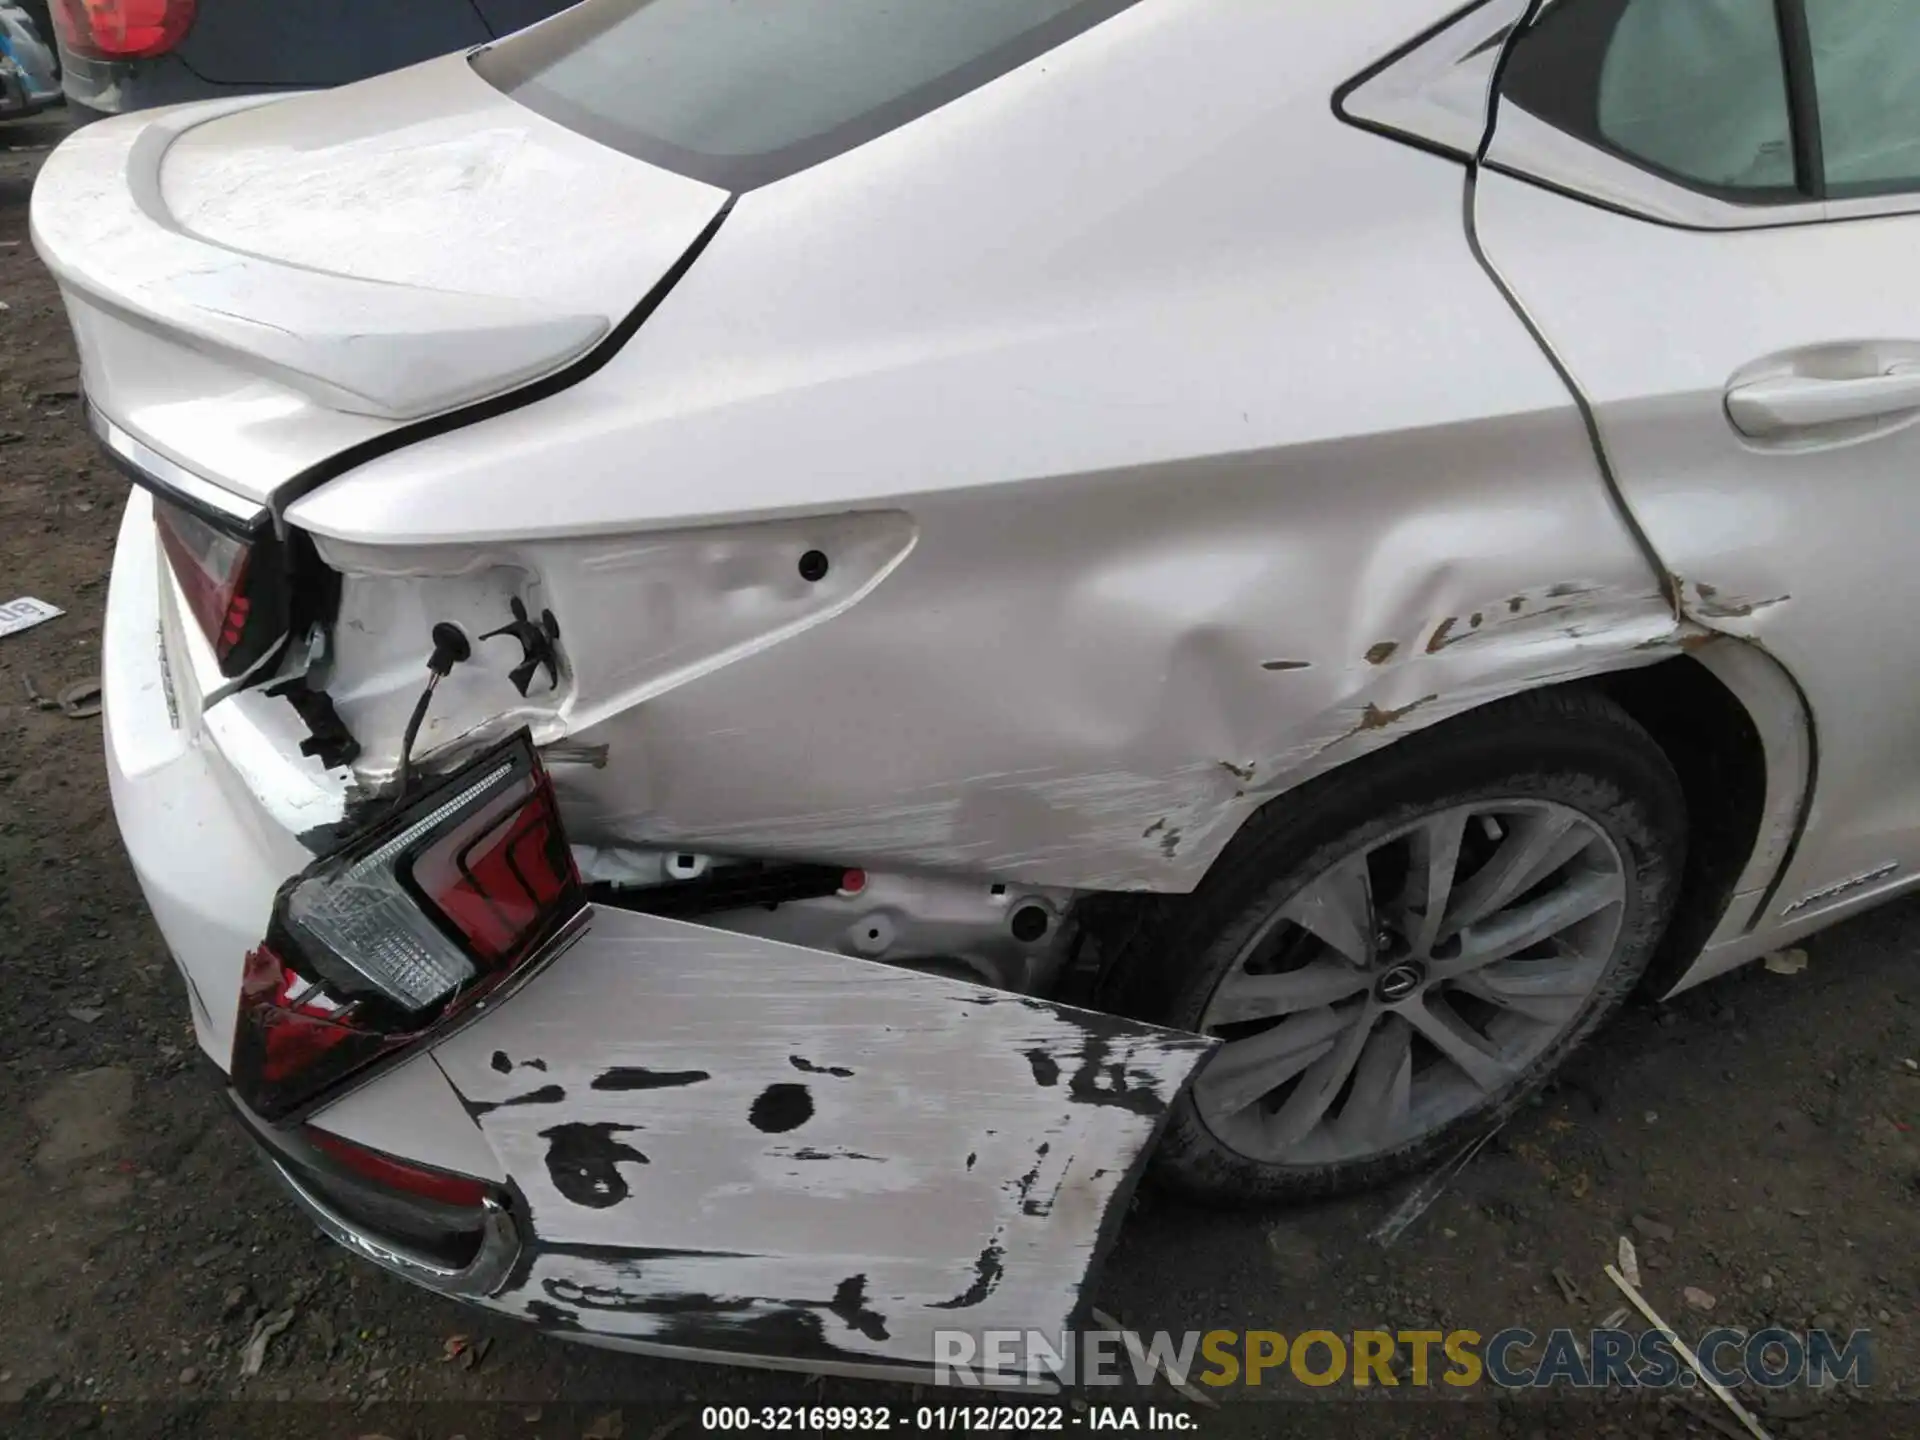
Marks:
<point>1755,1138</point>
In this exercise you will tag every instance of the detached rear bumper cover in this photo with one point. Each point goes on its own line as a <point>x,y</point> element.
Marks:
<point>729,1148</point>
<point>826,1159</point>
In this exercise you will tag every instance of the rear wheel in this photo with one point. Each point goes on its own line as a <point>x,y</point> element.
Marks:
<point>1394,957</point>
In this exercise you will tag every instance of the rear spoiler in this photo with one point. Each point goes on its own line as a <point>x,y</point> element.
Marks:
<point>149,469</point>
<point>365,347</point>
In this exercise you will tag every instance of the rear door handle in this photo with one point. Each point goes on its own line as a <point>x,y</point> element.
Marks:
<point>1785,403</point>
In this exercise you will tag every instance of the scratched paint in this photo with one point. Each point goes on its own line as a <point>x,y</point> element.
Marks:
<point>845,1154</point>
<point>1144,760</point>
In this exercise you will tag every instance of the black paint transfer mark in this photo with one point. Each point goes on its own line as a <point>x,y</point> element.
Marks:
<point>697,1320</point>
<point>1381,653</point>
<point>551,1317</point>
<point>1169,843</point>
<point>503,1064</point>
<point>971,1157</point>
<point>654,1302</point>
<point>584,1162</point>
<point>780,1108</point>
<point>850,1304</point>
<point>1285,665</point>
<point>1024,1185</point>
<point>1242,773</point>
<point>634,1077</point>
<point>987,1271</point>
<point>629,1258</point>
<point>807,1067</point>
<point>545,1095</point>
<point>809,1153</point>
<point>1154,829</point>
<point>1046,1069</point>
<point>1101,1079</point>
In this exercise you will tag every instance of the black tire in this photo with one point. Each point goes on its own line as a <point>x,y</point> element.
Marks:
<point>1573,746</point>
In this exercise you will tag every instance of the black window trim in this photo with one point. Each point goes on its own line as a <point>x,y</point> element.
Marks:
<point>1803,99</point>
<point>1628,185</point>
<point>1812,185</point>
<point>1803,121</point>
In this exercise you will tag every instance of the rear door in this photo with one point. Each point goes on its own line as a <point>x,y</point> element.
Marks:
<point>1711,210</point>
<point>735,1148</point>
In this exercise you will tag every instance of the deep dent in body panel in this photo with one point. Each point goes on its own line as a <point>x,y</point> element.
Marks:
<point>1134,829</point>
<point>1081,795</point>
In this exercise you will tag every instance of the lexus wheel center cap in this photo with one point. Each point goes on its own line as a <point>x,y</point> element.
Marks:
<point>1400,981</point>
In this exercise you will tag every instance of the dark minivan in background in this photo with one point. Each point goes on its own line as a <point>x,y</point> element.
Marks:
<point>119,55</point>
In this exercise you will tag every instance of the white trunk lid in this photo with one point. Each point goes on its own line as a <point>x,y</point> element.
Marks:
<point>257,284</point>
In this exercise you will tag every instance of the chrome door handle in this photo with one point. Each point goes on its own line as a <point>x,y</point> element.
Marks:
<point>1768,408</point>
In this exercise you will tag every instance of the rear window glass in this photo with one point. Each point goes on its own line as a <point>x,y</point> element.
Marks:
<point>741,92</point>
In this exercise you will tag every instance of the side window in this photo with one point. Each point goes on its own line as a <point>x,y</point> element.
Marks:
<point>1693,90</point>
<point>1866,70</point>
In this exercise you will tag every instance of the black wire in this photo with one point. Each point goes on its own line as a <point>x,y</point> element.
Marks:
<point>407,739</point>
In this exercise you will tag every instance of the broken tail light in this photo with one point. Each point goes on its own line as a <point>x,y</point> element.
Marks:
<point>393,1173</point>
<point>390,938</point>
<point>122,29</point>
<point>234,583</point>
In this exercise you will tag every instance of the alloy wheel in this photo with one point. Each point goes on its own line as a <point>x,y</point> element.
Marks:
<point>1410,982</point>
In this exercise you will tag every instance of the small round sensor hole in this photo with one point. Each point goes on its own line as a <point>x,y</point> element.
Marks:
<point>813,566</point>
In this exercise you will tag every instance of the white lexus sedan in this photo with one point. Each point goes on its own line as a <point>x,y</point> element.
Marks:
<point>762,646</point>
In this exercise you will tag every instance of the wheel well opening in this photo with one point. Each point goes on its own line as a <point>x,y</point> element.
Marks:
<point>1713,746</point>
<point>1702,728</point>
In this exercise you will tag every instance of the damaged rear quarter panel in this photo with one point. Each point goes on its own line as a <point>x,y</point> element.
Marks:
<point>1105,716</point>
<point>1215,484</point>
<point>732,1145</point>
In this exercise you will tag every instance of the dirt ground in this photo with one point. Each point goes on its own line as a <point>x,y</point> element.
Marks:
<point>1755,1138</point>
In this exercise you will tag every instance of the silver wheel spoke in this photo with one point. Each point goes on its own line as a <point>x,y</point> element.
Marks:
<point>1241,1071</point>
<point>1551,991</point>
<point>1256,997</point>
<point>1511,931</point>
<point>1376,1019</point>
<point>1338,909</point>
<point>1536,846</point>
<point>1381,1100</point>
<point>1314,1095</point>
<point>1459,1042</point>
<point>1435,853</point>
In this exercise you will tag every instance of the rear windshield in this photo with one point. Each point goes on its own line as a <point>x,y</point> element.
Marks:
<point>741,92</point>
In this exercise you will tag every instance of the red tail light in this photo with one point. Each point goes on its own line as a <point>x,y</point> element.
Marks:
<point>396,1174</point>
<point>378,945</point>
<point>232,584</point>
<point>121,29</point>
